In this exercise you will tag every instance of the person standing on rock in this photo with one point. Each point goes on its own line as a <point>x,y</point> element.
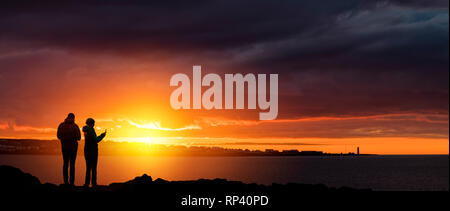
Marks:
<point>91,151</point>
<point>69,135</point>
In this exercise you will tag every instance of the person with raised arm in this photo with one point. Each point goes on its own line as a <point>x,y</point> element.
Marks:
<point>91,151</point>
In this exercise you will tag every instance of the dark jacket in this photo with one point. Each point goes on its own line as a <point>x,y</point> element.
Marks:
<point>91,138</point>
<point>69,134</point>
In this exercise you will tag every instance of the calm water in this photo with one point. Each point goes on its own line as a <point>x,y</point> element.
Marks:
<point>378,173</point>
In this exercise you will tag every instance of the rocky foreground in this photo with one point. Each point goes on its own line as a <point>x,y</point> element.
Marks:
<point>143,191</point>
<point>13,179</point>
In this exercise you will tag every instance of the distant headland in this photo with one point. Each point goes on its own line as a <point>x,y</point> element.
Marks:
<point>50,147</point>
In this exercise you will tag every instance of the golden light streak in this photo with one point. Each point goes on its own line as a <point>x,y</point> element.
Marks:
<point>157,126</point>
<point>429,118</point>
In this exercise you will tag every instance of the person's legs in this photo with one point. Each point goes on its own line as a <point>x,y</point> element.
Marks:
<point>66,159</point>
<point>73,157</point>
<point>88,169</point>
<point>94,168</point>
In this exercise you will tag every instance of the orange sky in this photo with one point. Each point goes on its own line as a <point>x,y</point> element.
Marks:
<point>374,76</point>
<point>136,108</point>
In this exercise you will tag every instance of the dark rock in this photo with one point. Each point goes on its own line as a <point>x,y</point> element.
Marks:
<point>13,179</point>
<point>161,181</point>
<point>142,180</point>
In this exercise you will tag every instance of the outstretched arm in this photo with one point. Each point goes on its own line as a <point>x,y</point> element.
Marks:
<point>101,136</point>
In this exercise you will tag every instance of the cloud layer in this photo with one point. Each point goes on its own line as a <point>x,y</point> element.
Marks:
<point>341,59</point>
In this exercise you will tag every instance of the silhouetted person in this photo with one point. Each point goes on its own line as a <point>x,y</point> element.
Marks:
<point>91,151</point>
<point>69,135</point>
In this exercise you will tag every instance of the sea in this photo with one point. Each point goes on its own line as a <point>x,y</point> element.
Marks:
<point>381,173</point>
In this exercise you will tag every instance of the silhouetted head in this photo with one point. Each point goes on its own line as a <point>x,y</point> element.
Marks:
<point>71,116</point>
<point>90,122</point>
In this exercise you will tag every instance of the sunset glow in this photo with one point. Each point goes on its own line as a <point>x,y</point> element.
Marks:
<point>344,81</point>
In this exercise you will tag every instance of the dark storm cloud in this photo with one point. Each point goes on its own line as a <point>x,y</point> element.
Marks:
<point>341,57</point>
<point>422,3</point>
<point>174,25</point>
<point>284,30</point>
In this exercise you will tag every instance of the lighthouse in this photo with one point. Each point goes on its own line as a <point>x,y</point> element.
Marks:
<point>357,151</point>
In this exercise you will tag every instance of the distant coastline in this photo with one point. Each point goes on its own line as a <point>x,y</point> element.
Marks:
<point>52,147</point>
